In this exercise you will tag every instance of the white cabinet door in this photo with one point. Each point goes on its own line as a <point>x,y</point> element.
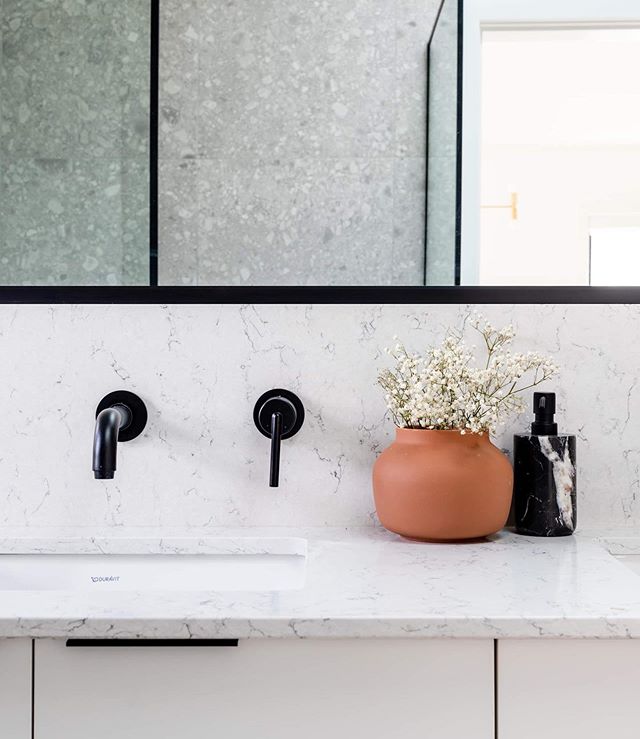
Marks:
<point>267,689</point>
<point>15,688</point>
<point>561,689</point>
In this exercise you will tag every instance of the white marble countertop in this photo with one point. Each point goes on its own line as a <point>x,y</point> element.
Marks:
<point>359,583</point>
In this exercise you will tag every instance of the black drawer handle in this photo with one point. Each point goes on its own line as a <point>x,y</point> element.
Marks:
<point>152,642</point>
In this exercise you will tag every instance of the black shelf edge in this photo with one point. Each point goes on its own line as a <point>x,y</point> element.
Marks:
<point>322,295</point>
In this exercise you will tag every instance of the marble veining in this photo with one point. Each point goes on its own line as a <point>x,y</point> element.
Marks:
<point>544,486</point>
<point>563,476</point>
<point>200,369</point>
<point>360,583</point>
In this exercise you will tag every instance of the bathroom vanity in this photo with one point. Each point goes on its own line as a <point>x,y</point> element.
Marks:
<point>422,688</point>
<point>512,637</point>
<point>282,688</point>
<point>201,202</point>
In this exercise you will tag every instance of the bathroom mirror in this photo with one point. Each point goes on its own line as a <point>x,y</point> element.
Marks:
<point>75,138</point>
<point>534,158</point>
<point>272,152</point>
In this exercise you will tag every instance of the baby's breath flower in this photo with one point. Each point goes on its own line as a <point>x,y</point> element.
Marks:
<point>443,390</point>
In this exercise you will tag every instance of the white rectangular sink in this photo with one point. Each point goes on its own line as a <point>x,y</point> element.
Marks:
<point>235,565</point>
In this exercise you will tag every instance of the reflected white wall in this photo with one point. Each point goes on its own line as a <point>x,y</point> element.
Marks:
<point>559,127</point>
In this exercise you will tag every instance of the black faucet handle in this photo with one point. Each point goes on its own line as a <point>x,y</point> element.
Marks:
<point>276,442</point>
<point>131,407</point>
<point>278,415</point>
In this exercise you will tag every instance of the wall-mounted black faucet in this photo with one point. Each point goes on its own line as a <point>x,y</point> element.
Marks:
<point>120,416</point>
<point>278,414</point>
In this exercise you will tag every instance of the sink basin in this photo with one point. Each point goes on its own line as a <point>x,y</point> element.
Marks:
<point>234,565</point>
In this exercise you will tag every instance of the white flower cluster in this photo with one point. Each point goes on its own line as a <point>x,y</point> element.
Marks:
<point>443,389</point>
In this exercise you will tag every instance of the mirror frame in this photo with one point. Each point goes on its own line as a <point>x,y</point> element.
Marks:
<point>321,295</point>
<point>160,295</point>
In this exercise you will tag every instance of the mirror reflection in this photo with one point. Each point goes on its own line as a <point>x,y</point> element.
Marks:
<point>74,142</point>
<point>303,160</point>
<point>293,141</point>
<point>547,148</point>
<point>560,152</point>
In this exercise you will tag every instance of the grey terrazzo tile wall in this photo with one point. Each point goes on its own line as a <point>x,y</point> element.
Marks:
<point>442,145</point>
<point>74,86</point>
<point>292,141</point>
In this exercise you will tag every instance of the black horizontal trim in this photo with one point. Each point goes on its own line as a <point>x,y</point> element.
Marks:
<point>331,295</point>
<point>152,642</point>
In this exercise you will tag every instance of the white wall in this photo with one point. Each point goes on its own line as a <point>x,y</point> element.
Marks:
<point>559,127</point>
<point>482,15</point>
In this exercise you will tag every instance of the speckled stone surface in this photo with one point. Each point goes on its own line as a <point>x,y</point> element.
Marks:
<point>408,256</point>
<point>292,142</point>
<point>74,84</point>
<point>301,221</point>
<point>179,112</point>
<point>442,145</point>
<point>75,221</point>
<point>307,127</point>
<point>441,219</point>
<point>178,221</point>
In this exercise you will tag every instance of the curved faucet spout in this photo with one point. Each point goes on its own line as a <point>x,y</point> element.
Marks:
<point>109,422</point>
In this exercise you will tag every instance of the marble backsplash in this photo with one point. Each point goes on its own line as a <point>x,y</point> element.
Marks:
<point>201,462</point>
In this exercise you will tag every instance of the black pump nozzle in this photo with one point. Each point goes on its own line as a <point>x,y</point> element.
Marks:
<point>544,407</point>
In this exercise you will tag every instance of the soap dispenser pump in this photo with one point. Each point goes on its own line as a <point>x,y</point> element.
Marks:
<point>545,475</point>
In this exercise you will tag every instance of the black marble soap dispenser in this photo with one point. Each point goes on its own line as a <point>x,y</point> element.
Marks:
<point>545,475</point>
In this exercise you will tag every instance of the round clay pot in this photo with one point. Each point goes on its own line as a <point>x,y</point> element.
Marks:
<point>442,485</point>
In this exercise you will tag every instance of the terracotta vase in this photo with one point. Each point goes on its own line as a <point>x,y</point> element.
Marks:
<point>442,485</point>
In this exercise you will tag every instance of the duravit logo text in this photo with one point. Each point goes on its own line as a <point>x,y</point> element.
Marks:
<point>110,578</point>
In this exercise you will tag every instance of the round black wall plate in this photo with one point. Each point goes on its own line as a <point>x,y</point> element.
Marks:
<point>284,402</point>
<point>138,412</point>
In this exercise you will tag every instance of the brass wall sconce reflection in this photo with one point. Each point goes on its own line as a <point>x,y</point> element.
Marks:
<point>512,206</point>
